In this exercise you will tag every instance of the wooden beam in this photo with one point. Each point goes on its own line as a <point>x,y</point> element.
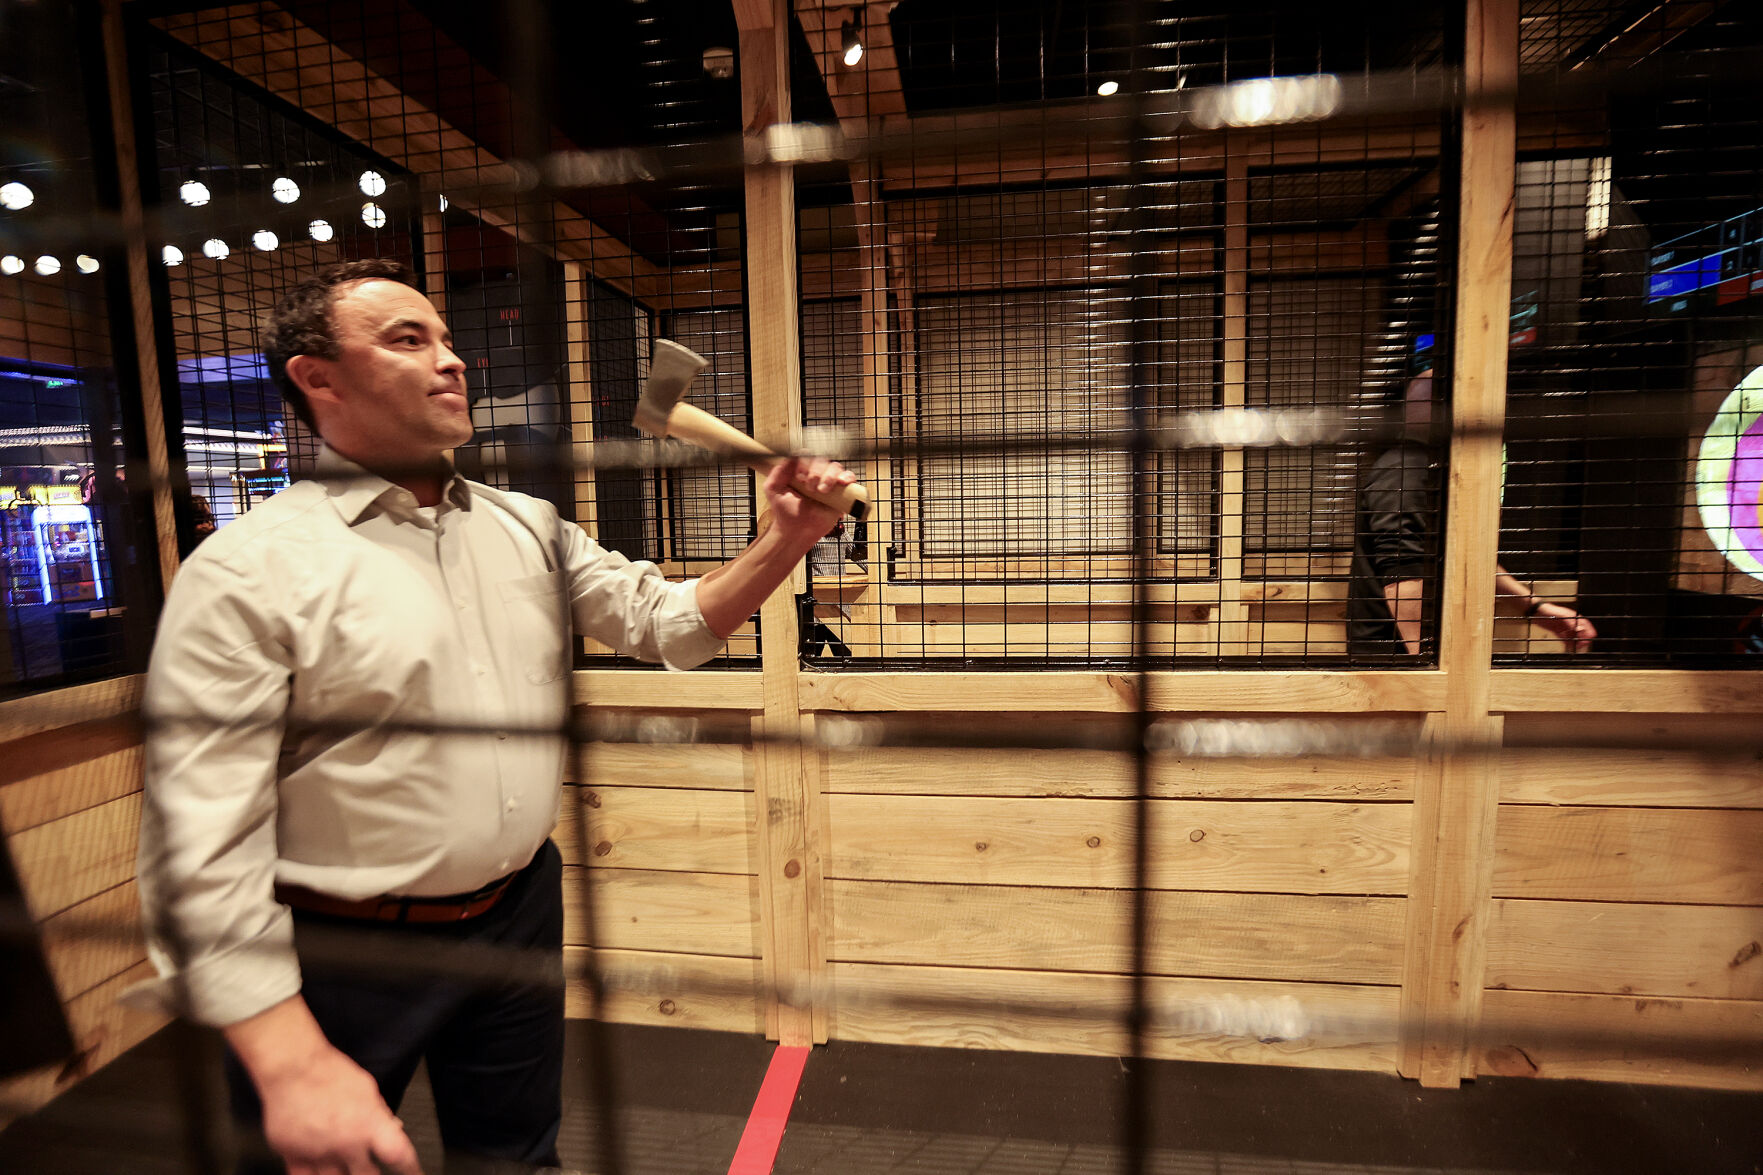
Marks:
<point>788,849</point>
<point>1457,794</point>
<point>116,68</point>
<point>1103,693</point>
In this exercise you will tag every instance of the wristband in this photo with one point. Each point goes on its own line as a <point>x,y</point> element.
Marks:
<point>1535,607</point>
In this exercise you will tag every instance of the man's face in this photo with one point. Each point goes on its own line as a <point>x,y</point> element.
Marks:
<point>397,390</point>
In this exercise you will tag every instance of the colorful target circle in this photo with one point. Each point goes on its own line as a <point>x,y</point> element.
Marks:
<point>1729,476</point>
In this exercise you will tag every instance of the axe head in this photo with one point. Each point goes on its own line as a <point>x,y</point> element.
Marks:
<point>671,371</point>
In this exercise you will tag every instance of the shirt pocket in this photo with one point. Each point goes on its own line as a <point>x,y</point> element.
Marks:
<point>537,624</point>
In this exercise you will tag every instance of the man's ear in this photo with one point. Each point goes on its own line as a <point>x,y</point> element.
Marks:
<point>312,374</point>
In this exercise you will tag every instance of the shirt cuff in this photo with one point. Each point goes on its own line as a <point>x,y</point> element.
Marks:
<point>233,985</point>
<point>687,641</point>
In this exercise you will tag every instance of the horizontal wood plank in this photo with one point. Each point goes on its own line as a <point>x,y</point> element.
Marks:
<point>1347,1027</point>
<point>660,765</point>
<point>651,910</point>
<point>95,940</point>
<point>1629,855</point>
<point>36,713</point>
<point>986,772</point>
<point>1705,951</point>
<point>705,689</point>
<point>1629,773</point>
<point>39,799</point>
<point>1626,691</point>
<point>67,861</point>
<point>661,828</point>
<point>1276,846</point>
<point>704,992</point>
<point>1258,936</point>
<point>1712,1044</point>
<point>1261,693</point>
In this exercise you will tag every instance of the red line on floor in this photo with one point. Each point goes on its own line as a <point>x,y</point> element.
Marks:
<point>771,1109</point>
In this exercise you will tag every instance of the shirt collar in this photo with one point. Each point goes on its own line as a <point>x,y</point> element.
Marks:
<point>355,489</point>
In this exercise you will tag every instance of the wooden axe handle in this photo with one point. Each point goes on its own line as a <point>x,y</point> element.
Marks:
<point>690,423</point>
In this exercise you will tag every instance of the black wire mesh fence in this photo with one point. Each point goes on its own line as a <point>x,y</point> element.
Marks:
<point>1121,311</point>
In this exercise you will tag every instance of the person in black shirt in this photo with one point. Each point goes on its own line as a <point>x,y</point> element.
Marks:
<point>1395,549</point>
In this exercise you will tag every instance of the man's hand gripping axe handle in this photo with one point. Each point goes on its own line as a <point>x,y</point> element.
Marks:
<point>663,412</point>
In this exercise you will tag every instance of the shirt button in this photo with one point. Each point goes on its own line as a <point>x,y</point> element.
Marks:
<point>511,804</point>
<point>479,670</point>
<point>502,735</point>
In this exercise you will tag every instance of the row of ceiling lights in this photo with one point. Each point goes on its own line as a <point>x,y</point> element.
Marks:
<point>15,197</point>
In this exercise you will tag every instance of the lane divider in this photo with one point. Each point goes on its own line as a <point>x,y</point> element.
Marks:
<point>771,1110</point>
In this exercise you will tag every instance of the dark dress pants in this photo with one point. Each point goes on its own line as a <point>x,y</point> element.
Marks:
<point>494,1046</point>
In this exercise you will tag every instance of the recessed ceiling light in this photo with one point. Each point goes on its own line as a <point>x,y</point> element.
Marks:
<point>372,215</point>
<point>215,249</point>
<point>372,183</point>
<point>172,255</point>
<point>11,264</point>
<point>194,193</point>
<point>48,266</point>
<point>1108,89</point>
<point>321,230</point>
<point>264,239</point>
<point>15,196</point>
<point>86,263</point>
<point>285,190</point>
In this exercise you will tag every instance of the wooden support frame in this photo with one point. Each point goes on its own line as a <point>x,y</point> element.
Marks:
<point>116,68</point>
<point>788,852</point>
<point>1457,797</point>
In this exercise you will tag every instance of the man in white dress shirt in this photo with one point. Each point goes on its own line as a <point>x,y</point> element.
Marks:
<point>337,698</point>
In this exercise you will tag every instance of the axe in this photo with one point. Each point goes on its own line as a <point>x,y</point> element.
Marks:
<point>662,412</point>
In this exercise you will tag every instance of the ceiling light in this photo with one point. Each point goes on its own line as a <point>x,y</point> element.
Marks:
<point>15,196</point>
<point>48,266</point>
<point>285,190</point>
<point>372,183</point>
<point>719,62</point>
<point>372,215</point>
<point>215,249</point>
<point>321,230</point>
<point>11,264</point>
<point>264,239</point>
<point>172,255</point>
<point>86,263</point>
<point>851,37</point>
<point>194,193</point>
<point>443,202</point>
<point>1108,89</point>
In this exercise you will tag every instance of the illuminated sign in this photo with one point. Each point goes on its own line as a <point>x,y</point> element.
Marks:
<point>1726,257</point>
<point>1729,476</point>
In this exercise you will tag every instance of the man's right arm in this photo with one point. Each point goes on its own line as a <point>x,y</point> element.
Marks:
<point>217,699</point>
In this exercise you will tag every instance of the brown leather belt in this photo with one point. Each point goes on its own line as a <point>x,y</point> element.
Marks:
<point>392,908</point>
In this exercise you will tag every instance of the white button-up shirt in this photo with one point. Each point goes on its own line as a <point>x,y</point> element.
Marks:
<point>363,696</point>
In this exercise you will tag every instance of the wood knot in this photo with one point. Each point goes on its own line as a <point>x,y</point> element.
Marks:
<point>1095,842</point>
<point>980,846</point>
<point>666,1007</point>
<point>601,849</point>
<point>792,869</point>
<point>1746,953</point>
<point>593,799</point>
<point>1197,835</point>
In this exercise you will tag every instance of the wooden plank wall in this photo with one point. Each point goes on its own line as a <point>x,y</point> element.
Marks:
<point>70,808</point>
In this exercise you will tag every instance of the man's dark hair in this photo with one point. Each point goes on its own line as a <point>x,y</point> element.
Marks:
<point>301,323</point>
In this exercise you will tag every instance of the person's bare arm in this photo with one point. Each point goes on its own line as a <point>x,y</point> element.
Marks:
<point>321,1111</point>
<point>1404,599</point>
<point>1574,630</point>
<point>730,594</point>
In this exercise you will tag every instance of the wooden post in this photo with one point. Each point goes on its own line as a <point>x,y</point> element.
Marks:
<point>788,844</point>
<point>581,397</point>
<point>1457,797</point>
<point>116,66</point>
<point>1232,624</point>
<point>872,264</point>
